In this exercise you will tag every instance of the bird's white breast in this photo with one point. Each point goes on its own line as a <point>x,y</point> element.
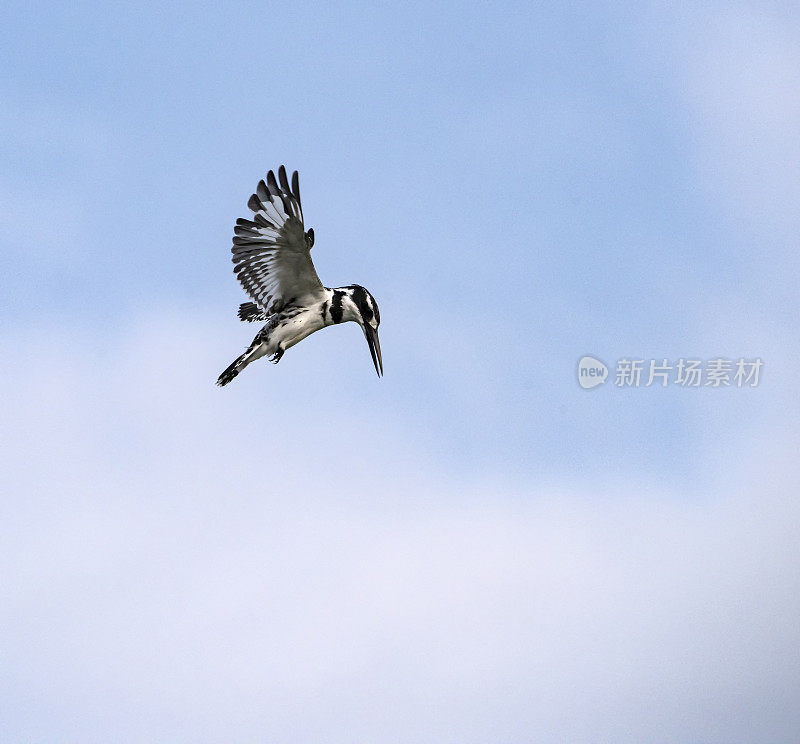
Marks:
<point>295,329</point>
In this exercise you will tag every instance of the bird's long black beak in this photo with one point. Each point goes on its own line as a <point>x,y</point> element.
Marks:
<point>374,348</point>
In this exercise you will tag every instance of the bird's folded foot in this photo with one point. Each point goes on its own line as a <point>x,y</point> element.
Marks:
<point>276,357</point>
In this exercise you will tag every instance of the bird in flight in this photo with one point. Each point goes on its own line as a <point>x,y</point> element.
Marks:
<point>272,260</point>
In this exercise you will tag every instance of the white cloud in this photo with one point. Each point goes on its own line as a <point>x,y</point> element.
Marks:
<point>172,573</point>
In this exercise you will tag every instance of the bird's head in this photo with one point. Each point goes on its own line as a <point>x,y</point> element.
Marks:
<point>359,305</point>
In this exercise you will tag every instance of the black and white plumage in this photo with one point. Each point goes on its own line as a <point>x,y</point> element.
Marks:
<point>272,260</point>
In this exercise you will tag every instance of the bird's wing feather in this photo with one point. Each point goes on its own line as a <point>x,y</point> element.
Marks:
<point>271,255</point>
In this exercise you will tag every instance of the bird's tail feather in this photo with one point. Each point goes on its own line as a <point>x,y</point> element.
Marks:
<point>237,366</point>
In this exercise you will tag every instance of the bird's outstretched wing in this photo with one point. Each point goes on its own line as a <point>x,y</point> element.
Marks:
<point>271,252</point>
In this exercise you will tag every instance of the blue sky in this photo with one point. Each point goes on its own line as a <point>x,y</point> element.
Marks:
<point>518,186</point>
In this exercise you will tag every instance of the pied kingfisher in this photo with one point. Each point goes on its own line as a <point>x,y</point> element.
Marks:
<point>272,260</point>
